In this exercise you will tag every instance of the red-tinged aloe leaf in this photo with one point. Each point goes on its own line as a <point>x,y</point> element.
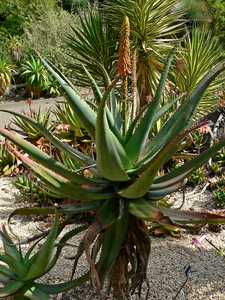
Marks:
<point>192,217</point>
<point>43,257</point>
<point>181,119</point>
<point>66,148</point>
<point>84,113</point>
<point>144,210</point>
<point>43,158</point>
<point>80,208</point>
<point>111,156</point>
<point>61,185</point>
<point>138,140</point>
<point>11,288</point>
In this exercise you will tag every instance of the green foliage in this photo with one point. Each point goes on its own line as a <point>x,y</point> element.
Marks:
<point>198,177</point>
<point>219,196</point>
<point>215,168</point>
<point>5,75</point>
<point>92,44</point>
<point>47,34</point>
<point>11,21</point>
<point>30,132</point>
<point>33,190</point>
<point>74,5</point>
<point>35,75</point>
<point>7,161</point>
<point>15,13</point>
<point>198,53</point>
<point>220,157</point>
<point>124,183</point>
<point>65,115</point>
<point>217,11</point>
<point>37,79</point>
<point>197,10</point>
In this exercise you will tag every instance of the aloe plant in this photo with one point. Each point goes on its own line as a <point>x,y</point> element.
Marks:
<point>41,116</point>
<point>18,272</point>
<point>126,177</point>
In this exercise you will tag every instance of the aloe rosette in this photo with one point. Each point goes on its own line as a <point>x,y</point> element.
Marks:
<point>126,180</point>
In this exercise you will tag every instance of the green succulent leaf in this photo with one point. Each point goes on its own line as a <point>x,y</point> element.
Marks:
<point>111,157</point>
<point>84,113</point>
<point>113,240</point>
<point>43,257</point>
<point>52,289</point>
<point>9,247</point>
<point>72,152</point>
<point>11,288</point>
<point>43,158</point>
<point>181,118</point>
<point>138,140</point>
<point>180,173</point>
<point>61,186</point>
<point>36,294</point>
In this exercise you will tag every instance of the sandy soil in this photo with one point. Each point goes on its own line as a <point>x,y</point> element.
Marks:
<point>168,259</point>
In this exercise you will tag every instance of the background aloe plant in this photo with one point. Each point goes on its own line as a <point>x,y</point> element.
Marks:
<point>126,178</point>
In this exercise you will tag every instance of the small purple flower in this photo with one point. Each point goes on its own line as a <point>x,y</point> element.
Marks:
<point>197,242</point>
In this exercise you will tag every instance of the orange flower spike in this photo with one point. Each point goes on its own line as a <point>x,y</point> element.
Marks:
<point>124,59</point>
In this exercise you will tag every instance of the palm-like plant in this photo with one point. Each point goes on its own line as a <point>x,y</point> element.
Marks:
<point>198,53</point>
<point>126,179</point>
<point>36,76</point>
<point>94,46</point>
<point>154,25</point>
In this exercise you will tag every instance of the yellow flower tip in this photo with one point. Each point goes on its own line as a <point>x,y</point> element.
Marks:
<point>124,59</point>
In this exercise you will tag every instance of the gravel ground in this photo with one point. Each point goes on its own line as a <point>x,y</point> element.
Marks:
<point>168,259</point>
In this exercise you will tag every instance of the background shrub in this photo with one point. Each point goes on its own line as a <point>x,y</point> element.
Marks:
<point>47,34</point>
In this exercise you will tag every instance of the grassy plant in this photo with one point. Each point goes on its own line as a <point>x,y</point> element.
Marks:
<point>125,178</point>
<point>199,51</point>
<point>5,75</point>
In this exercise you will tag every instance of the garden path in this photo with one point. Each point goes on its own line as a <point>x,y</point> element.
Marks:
<point>22,105</point>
